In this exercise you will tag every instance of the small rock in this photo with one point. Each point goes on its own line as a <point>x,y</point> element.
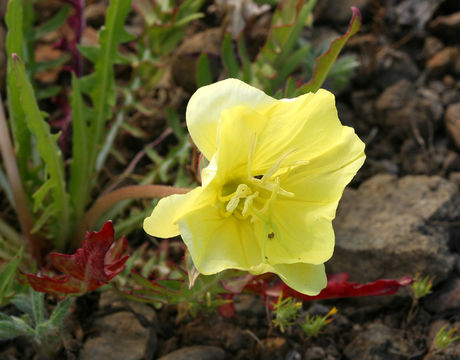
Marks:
<point>415,13</point>
<point>446,298</point>
<point>391,66</point>
<point>449,24</point>
<point>395,96</point>
<point>249,305</point>
<point>431,47</point>
<point>452,121</point>
<point>198,352</point>
<point>315,353</point>
<point>272,348</point>
<point>392,227</point>
<point>378,342</point>
<point>443,61</point>
<point>121,337</point>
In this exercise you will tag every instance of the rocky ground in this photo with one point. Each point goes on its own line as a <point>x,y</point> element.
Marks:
<point>400,216</point>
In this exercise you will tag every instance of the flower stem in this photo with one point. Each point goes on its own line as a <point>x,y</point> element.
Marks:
<point>105,202</point>
<point>20,200</point>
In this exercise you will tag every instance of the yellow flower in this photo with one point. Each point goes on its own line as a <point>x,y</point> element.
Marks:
<point>276,173</point>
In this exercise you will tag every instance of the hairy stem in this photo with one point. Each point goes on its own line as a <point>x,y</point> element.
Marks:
<point>19,196</point>
<point>105,202</point>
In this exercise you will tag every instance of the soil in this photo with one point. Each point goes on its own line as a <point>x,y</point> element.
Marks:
<point>404,101</point>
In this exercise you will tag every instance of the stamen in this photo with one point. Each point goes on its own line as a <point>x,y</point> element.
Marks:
<point>277,164</point>
<point>248,202</point>
<point>242,191</point>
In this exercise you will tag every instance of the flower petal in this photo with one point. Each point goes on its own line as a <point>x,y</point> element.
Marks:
<point>323,179</point>
<point>208,102</point>
<point>217,243</point>
<point>305,234</point>
<point>305,221</point>
<point>163,220</point>
<point>303,128</point>
<point>305,278</point>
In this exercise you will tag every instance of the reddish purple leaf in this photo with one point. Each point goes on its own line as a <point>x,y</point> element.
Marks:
<point>93,265</point>
<point>338,286</point>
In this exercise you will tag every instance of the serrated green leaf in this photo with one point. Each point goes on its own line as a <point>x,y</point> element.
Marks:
<point>48,92</point>
<point>229,58</point>
<point>48,149</point>
<point>40,194</point>
<point>88,83</point>
<point>7,275</point>
<point>54,23</point>
<point>15,45</point>
<point>50,211</point>
<point>203,71</point>
<point>46,65</point>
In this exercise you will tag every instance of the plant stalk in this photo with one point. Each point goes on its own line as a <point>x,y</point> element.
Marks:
<point>105,202</point>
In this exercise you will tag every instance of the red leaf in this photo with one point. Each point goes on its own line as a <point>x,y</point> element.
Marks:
<point>338,286</point>
<point>92,266</point>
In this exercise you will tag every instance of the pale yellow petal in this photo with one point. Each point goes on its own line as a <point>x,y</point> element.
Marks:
<point>324,178</point>
<point>163,220</point>
<point>304,221</point>
<point>217,243</point>
<point>207,103</point>
<point>305,278</point>
<point>302,129</point>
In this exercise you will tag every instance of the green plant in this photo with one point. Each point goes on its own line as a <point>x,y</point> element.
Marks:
<point>420,288</point>
<point>285,312</point>
<point>50,198</point>
<point>284,52</point>
<point>313,325</point>
<point>43,331</point>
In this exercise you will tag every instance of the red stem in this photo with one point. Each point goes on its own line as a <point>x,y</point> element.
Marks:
<point>105,202</point>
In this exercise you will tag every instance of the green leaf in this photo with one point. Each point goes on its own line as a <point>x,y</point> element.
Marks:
<point>7,276</point>
<point>203,71</point>
<point>290,87</point>
<point>38,306</point>
<point>103,94</point>
<point>294,32</point>
<point>229,58</point>
<point>242,51</point>
<point>174,123</point>
<point>60,312</point>
<point>79,167</point>
<point>46,65</point>
<point>15,45</point>
<point>14,327</point>
<point>288,67</point>
<point>48,149</point>
<point>54,23</point>
<point>48,92</point>
<point>23,303</point>
<point>324,63</point>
